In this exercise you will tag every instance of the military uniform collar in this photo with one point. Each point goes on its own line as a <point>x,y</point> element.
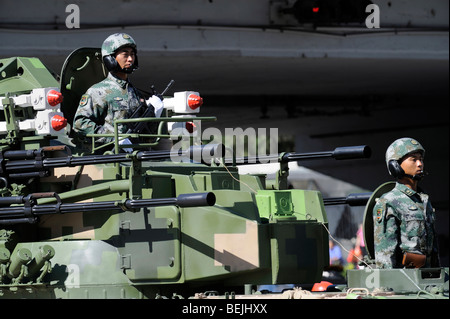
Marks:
<point>122,83</point>
<point>405,189</point>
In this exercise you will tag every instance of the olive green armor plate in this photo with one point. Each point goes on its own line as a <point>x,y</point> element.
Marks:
<point>368,216</point>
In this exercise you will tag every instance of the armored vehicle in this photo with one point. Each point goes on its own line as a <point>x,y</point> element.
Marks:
<point>153,222</point>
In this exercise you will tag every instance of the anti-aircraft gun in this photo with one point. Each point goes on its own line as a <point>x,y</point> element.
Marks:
<point>33,133</point>
<point>138,225</point>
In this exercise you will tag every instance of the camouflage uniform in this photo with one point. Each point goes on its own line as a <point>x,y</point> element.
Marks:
<point>103,103</point>
<point>404,219</point>
<point>110,99</point>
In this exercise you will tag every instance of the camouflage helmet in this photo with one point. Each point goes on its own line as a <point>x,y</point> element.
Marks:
<point>401,147</point>
<point>116,41</point>
<point>111,45</point>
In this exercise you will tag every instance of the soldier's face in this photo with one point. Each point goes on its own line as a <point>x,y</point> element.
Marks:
<point>413,164</point>
<point>125,57</point>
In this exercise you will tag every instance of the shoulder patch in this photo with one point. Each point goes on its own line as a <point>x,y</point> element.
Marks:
<point>379,210</point>
<point>84,99</point>
<point>379,215</point>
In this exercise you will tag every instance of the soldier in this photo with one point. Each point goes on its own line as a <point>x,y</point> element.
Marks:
<point>404,234</point>
<point>114,97</point>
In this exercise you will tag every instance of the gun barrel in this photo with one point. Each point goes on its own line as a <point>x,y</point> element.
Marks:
<point>40,163</point>
<point>355,199</point>
<point>20,214</point>
<point>339,153</point>
<point>196,199</point>
<point>200,153</point>
<point>167,87</point>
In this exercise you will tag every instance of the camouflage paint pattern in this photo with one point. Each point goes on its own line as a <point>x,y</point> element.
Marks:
<point>116,41</point>
<point>402,146</point>
<point>137,254</point>
<point>404,222</point>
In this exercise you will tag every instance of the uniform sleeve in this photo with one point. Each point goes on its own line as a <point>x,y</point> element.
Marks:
<point>89,116</point>
<point>386,235</point>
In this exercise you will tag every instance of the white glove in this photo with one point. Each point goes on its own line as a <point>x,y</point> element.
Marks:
<point>157,104</point>
<point>126,141</point>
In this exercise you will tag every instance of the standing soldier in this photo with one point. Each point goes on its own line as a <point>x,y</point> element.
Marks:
<point>114,97</point>
<point>404,234</point>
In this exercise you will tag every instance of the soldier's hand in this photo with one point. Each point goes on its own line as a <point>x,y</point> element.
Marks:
<point>157,104</point>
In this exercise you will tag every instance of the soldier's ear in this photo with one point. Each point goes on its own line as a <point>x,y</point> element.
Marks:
<point>395,169</point>
<point>136,63</point>
<point>110,63</point>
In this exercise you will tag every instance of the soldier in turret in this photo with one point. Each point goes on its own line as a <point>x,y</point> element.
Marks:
<point>114,97</point>
<point>404,233</point>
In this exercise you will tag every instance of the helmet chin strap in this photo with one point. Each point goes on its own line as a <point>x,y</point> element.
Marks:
<point>128,70</point>
<point>125,70</point>
<point>416,177</point>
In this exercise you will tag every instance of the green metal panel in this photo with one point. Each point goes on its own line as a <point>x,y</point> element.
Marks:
<point>19,74</point>
<point>294,204</point>
<point>217,242</point>
<point>299,252</point>
<point>151,240</point>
